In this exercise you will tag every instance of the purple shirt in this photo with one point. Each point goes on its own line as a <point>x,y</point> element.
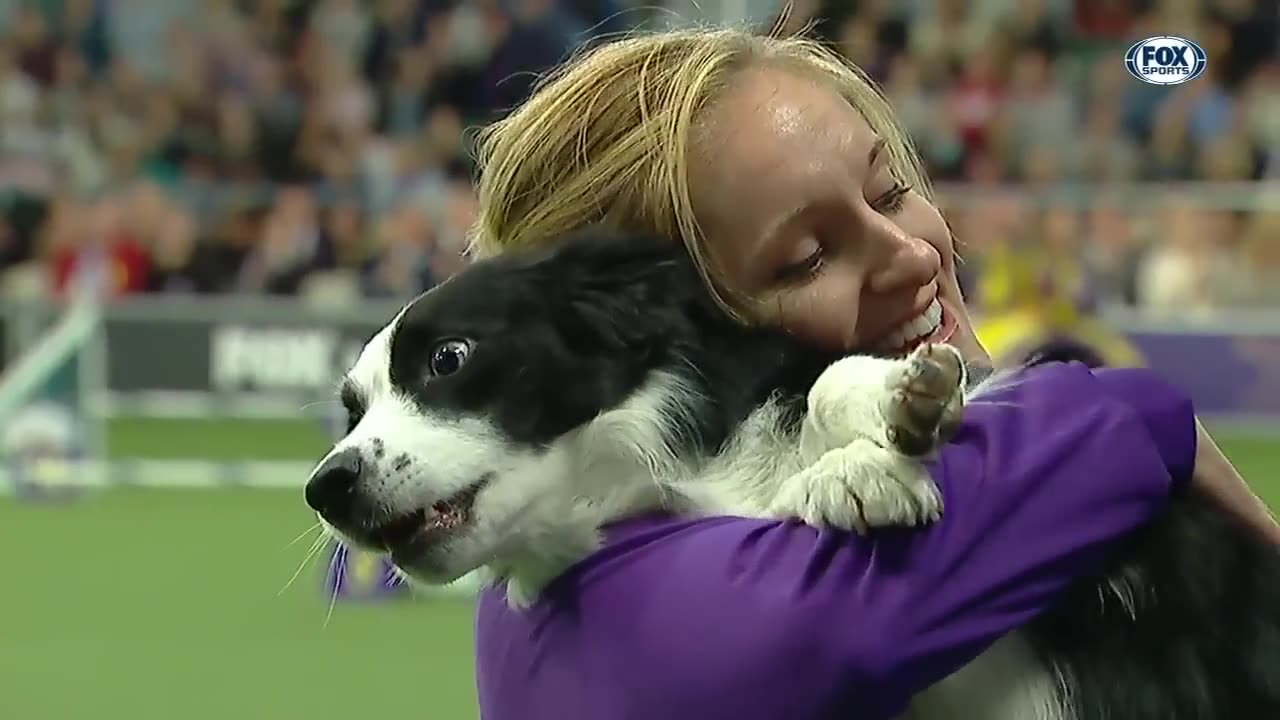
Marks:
<point>762,620</point>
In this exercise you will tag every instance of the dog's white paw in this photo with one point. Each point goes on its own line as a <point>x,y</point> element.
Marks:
<point>926,399</point>
<point>858,487</point>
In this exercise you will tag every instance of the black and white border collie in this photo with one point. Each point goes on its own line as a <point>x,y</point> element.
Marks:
<point>502,418</point>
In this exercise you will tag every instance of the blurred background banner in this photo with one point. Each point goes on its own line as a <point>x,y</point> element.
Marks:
<point>275,359</point>
<point>1232,376</point>
<point>273,355</point>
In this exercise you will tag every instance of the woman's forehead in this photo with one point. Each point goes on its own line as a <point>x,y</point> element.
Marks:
<point>770,117</point>
<point>774,144</point>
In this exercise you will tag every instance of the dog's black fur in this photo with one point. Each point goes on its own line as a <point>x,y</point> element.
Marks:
<point>1198,637</point>
<point>598,313</point>
<point>1203,642</point>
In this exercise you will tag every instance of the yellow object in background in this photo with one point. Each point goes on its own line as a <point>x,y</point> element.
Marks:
<point>1012,337</point>
<point>1029,302</point>
<point>1008,279</point>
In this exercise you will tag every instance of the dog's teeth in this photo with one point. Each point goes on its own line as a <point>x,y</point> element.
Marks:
<point>442,515</point>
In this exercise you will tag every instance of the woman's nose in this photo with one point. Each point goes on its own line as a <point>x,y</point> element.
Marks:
<point>905,262</point>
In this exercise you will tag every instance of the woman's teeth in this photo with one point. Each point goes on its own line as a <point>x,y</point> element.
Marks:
<point>913,331</point>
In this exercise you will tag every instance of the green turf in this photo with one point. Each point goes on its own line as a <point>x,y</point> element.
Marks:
<point>222,439</point>
<point>215,439</point>
<point>1257,456</point>
<point>163,604</point>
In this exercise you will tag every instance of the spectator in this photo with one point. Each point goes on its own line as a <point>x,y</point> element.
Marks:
<point>218,260</point>
<point>943,37</point>
<point>173,254</point>
<point>1255,279</point>
<point>345,26</point>
<point>1183,274</point>
<point>859,41</point>
<point>401,266</point>
<point>94,250</point>
<point>343,244</point>
<point>1063,272</point>
<point>282,138</point>
<point>1041,110</point>
<point>12,248</point>
<point>1112,255</point>
<point>1105,154</point>
<point>289,248</point>
<point>19,93</point>
<point>1104,19</point>
<point>1260,118</point>
<point>938,138</point>
<point>1032,25</point>
<point>404,101</point>
<point>35,47</point>
<point>396,27</point>
<point>976,99</point>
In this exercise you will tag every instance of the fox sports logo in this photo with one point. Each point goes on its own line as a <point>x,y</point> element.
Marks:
<point>1165,60</point>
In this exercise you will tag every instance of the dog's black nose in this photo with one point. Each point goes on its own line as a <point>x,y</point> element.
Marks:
<point>332,487</point>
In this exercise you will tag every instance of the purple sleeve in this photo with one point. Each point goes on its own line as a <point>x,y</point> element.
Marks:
<point>1165,411</point>
<point>1044,473</point>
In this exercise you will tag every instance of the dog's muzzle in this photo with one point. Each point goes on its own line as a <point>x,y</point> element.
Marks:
<point>332,490</point>
<point>336,492</point>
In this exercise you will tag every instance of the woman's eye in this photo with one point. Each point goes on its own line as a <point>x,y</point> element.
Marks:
<point>892,201</point>
<point>801,270</point>
<point>448,357</point>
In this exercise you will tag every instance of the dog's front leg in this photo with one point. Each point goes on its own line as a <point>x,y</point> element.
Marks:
<point>869,421</point>
<point>909,404</point>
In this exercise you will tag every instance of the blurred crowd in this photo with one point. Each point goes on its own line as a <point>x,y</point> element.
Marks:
<point>317,147</point>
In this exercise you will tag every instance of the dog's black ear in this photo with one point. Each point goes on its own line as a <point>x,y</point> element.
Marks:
<point>1062,348</point>
<point>625,292</point>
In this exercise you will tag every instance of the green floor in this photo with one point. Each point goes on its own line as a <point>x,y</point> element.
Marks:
<point>216,439</point>
<point>162,604</point>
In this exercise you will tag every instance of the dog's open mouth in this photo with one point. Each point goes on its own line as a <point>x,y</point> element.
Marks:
<point>429,525</point>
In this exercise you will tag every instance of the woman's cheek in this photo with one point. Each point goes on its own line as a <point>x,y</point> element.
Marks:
<point>816,320</point>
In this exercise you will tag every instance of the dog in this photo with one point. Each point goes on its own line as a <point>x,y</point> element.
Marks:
<point>501,419</point>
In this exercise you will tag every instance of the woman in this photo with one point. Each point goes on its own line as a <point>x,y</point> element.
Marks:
<point>788,179</point>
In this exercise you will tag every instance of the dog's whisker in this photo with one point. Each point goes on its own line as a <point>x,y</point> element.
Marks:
<point>301,535</point>
<point>318,403</point>
<point>317,544</point>
<point>337,568</point>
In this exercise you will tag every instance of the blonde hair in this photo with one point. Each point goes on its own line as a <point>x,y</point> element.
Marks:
<point>607,138</point>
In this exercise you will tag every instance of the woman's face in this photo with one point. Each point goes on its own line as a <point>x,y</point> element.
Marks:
<point>801,210</point>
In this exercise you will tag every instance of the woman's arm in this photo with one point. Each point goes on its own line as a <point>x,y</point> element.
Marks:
<point>1220,483</point>
<point>1044,474</point>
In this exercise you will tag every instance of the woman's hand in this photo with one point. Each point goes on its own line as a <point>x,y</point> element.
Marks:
<point>1217,479</point>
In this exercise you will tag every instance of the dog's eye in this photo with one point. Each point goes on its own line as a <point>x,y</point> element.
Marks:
<point>449,357</point>
<point>353,404</point>
<point>353,419</point>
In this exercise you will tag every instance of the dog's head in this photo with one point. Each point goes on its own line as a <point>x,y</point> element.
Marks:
<point>458,406</point>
